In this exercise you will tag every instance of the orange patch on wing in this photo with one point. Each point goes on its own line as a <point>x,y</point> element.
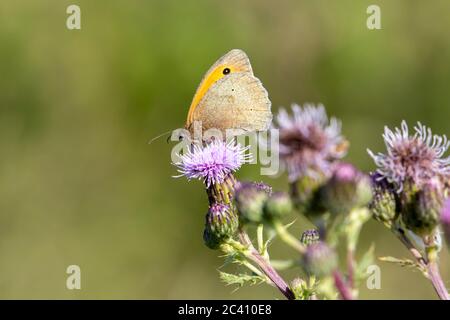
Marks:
<point>214,76</point>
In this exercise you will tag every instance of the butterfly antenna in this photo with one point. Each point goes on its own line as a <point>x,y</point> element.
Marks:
<point>161,135</point>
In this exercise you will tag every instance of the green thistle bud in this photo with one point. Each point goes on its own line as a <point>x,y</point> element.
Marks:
<point>221,224</point>
<point>383,205</point>
<point>421,209</point>
<point>250,200</point>
<point>304,290</point>
<point>277,206</point>
<point>210,240</point>
<point>319,259</point>
<point>304,196</point>
<point>363,191</point>
<point>347,188</point>
<point>310,237</point>
<point>298,286</point>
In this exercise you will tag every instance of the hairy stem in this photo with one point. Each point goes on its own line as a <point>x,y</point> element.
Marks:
<point>253,255</point>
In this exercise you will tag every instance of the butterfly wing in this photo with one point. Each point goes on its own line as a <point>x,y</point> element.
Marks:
<point>236,101</point>
<point>236,60</point>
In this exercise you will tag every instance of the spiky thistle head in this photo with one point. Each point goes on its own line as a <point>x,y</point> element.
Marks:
<point>309,141</point>
<point>384,202</point>
<point>221,223</point>
<point>310,237</point>
<point>277,206</point>
<point>213,162</point>
<point>347,188</point>
<point>319,259</point>
<point>415,159</point>
<point>421,208</point>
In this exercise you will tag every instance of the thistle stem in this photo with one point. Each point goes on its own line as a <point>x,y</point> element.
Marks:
<point>427,263</point>
<point>260,237</point>
<point>288,238</point>
<point>351,267</point>
<point>254,269</point>
<point>252,254</point>
<point>434,275</point>
<point>410,246</point>
<point>341,286</point>
<point>436,280</point>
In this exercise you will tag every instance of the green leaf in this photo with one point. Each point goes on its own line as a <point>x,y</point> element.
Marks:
<point>240,279</point>
<point>366,260</point>
<point>404,263</point>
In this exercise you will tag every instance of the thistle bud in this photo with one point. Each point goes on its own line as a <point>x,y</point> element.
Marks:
<point>445,220</point>
<point>319,259</point>
<point>422,208</point>
<point>221,224</point>
<point>210,240</point>
<point>298,286</point>
<point>297,283</point>
<point>304,194</point>
<point>347,188</point>
<point>250,200</point>
<point>310,237</point>
<point>383,205</point>
<point>277,206</point>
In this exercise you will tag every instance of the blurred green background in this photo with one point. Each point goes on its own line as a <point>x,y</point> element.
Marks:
<point>80,185</point>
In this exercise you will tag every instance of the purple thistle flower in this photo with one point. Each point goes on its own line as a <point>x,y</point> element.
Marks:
<point>412,158</point>
<point>309,142</point>
<point>214,162</point>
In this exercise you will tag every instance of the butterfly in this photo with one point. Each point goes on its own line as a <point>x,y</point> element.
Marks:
<point>230,97</point>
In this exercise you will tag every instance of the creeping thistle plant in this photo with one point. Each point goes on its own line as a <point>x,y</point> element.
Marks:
<point>406,193</point>
<point>410,187</point>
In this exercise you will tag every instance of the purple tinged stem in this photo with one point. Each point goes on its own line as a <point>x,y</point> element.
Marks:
<point>341,286</point>
<point>265,266</point>
<point>436,280</point>
<point>430,266</point>
<point>351,267</point>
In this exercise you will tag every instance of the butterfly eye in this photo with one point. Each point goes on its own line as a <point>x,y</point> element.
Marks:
<point>226,71</point>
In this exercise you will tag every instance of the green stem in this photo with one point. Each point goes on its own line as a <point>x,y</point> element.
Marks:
<point>260,238</point>
<point>254,269</point>
<point>400,233</point>
<point>288,238</point>
<point>351,265</point>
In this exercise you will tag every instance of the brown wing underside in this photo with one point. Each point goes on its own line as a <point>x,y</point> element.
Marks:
<point>237,101</point>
